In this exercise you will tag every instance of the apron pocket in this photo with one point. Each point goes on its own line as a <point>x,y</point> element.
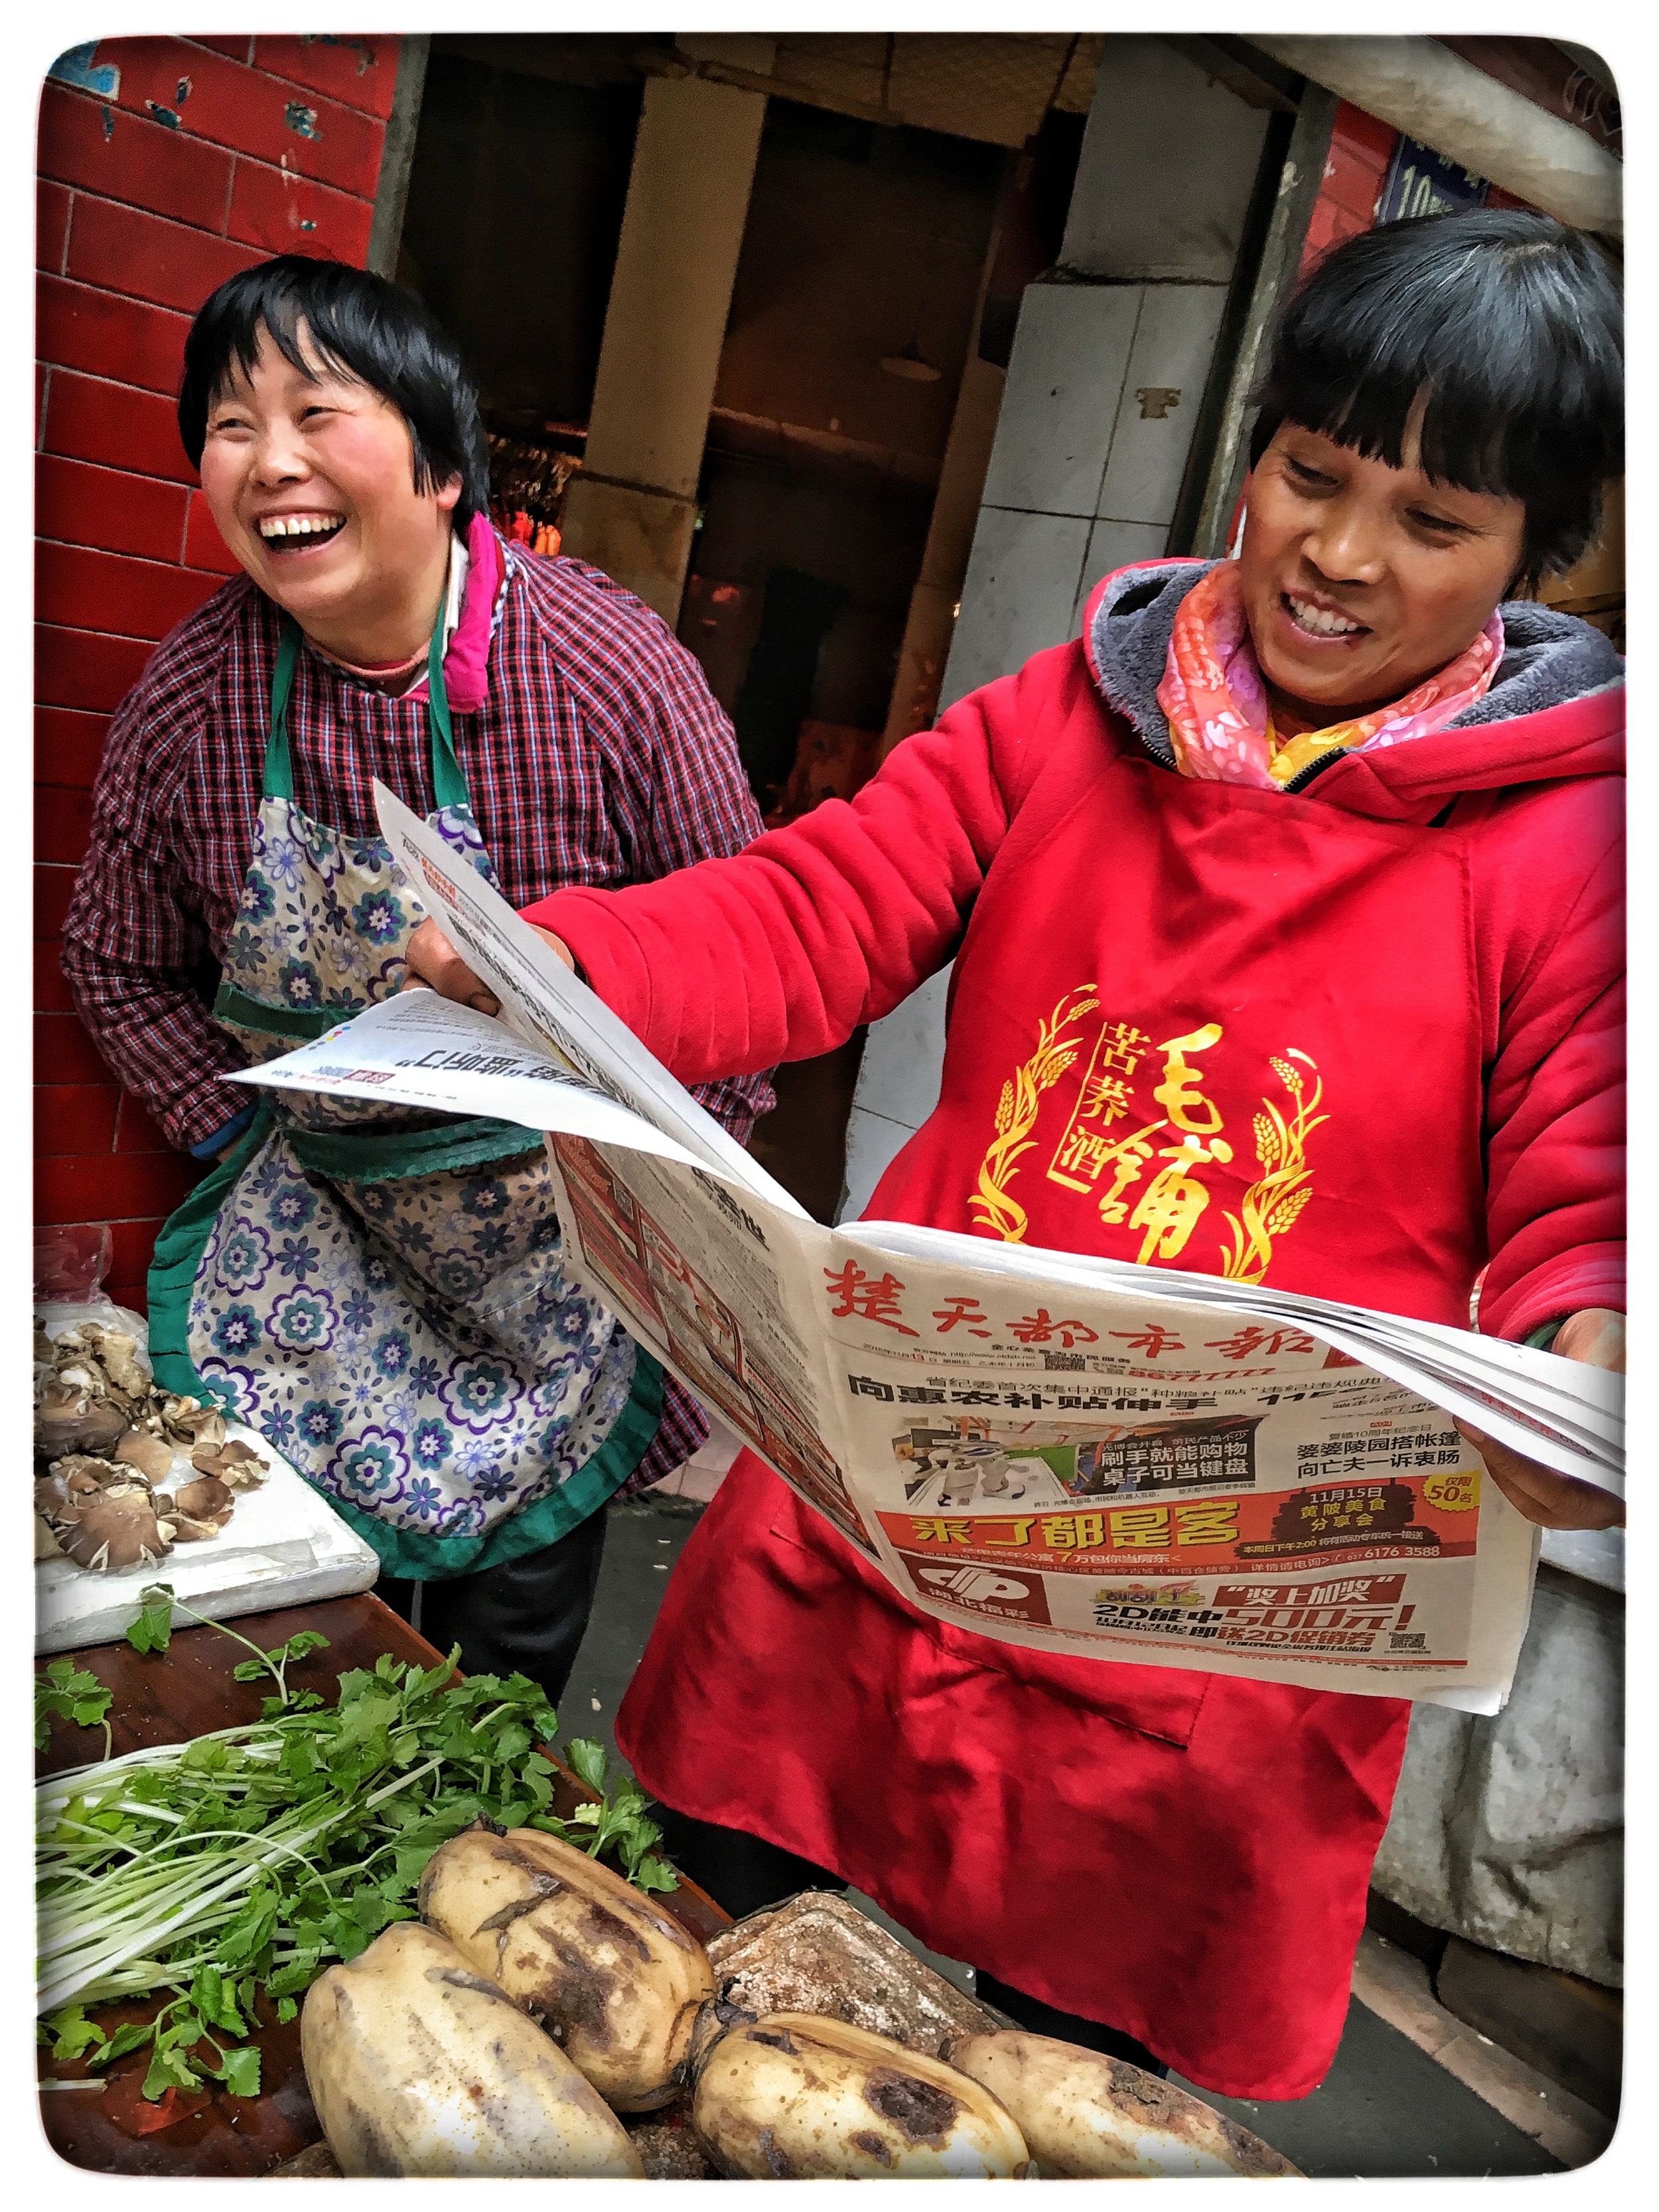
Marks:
<point>346,1157</point>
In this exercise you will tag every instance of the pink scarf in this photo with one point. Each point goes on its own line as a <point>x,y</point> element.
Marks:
<point>466,659</point>
<point>1221,725</point>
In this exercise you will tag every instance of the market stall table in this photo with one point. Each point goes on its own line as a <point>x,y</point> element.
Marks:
<point>168,1697</point>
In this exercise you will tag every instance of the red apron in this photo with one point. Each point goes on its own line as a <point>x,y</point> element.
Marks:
<point>1217,1028</point>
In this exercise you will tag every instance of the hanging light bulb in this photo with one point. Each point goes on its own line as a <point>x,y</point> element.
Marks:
<point>910,366</point>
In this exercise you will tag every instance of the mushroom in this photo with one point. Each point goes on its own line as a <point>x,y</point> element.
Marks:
<point>187,1531</point>
<point>109,1437</point>
<point>51,1495</point>
<point>193,1423</point>
<point>151,1455</point>
<point>86,1470</point>
<point>46,1546</point>
<point>116,1353</point>
<point>206,1499</point>
<point>114,1532</point>
<point>179,1527</point>
<point>69,1419</point>
<point>233,1463</point>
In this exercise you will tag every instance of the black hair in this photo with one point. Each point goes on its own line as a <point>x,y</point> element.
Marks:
<point>1512,325</point>
<point>375,331</point>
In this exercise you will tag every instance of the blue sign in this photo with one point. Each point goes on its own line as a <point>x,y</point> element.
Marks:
<point>1422,182</point>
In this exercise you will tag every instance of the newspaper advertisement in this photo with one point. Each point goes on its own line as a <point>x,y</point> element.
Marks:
<point>1071,1454</point>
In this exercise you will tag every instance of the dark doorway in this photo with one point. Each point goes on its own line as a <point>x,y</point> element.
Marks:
<point>515,207</point>
<point>796,613</point>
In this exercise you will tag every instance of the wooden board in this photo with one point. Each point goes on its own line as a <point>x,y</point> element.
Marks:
<point>166,1697</point>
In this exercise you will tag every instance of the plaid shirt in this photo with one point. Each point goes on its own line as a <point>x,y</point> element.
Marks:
<point>599,757</point>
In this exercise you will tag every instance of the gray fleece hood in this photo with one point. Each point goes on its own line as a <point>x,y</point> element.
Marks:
<point>1549,659</point>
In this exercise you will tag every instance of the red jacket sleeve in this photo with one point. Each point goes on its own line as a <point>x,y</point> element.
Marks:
<point>1555,1132</point>
<point>779,953</point>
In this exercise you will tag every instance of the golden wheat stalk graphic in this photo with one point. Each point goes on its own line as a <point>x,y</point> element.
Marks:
<point>1273,1206</point>
<point>1017,1112</point>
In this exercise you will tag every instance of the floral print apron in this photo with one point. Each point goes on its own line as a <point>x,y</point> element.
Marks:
<point>379,1291</point>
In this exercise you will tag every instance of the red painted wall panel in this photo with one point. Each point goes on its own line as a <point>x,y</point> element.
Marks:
<point>52,888</point>
<point>1356,170</point>
<point>203,547</point>
<point>63,818</point>
<point>85,668</point>
<point>126,249</point>
<point>51,215</point>
<point>127,598</point>
<point>146,201</point>
<point>73,1117</point>
<point>68,744</point>
<point>246,112</point>
<point>135,1132</point>
<point>358,71</point>
<point>95,419</point>
<point>281,213</point>
<point>101,149</point>
<point>79,328</point>
<point>133,1242</point>
<point>52,991</point>
<point>63,1049</point>
<point>87,506</point>
<point>110,1185</point>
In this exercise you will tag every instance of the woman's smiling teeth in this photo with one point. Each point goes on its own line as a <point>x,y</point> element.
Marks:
<point>284,531</point>
<point>1320,622</point>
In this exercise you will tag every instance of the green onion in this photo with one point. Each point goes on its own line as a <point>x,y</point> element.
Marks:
<point>245,1861</point>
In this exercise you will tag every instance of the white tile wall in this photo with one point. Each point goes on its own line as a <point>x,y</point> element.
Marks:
<point>1169,159</point>
<point>1018,595</point>
<point>902,1056</point>
<point>1174,344</point>
<point>1113,545</point>
<point>1066,377</point>
<point>873,1143</point>
<point>897,1088</point>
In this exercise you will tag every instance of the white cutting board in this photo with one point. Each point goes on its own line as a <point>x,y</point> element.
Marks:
<point>285,1545</point>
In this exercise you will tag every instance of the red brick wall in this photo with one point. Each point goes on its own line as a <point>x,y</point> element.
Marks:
<point>193,159</point>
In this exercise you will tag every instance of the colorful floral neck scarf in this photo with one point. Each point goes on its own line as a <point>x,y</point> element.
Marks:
<point>1220,723</point>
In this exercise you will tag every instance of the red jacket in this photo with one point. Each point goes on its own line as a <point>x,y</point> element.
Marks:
<point>1363,1038</point>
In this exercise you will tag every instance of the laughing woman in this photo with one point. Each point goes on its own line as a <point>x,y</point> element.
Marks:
<point>381,1292</point>
<point>1325,838</point>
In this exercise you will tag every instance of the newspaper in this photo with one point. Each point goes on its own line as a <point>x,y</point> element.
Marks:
<point>1065,1453</point>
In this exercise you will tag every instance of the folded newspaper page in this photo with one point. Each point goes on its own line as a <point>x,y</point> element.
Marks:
<point>1068,1454</point>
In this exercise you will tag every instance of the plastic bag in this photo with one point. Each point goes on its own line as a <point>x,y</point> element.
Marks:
<point>70,1262</point>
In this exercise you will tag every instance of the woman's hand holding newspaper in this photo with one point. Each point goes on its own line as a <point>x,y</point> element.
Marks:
<point>434,962</point>
<point>1595,1336</point>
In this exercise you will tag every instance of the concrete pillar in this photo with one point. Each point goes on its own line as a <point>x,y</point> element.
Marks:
<point>1110,360</point>
<point>631,509</point>
<point>1111,356</point>
<point>931,624</point>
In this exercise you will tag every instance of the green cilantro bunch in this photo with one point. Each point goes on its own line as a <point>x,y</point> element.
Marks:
<point>244,1862</point>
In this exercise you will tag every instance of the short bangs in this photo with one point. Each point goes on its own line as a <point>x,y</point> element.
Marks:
<point>374,330</point>
<point>1510,322</point>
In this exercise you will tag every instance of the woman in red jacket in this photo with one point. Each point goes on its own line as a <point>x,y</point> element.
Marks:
<point>1323,839</point>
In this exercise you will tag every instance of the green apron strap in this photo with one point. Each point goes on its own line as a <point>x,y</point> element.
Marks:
<point>448,784</point>
<point>278,781</point>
